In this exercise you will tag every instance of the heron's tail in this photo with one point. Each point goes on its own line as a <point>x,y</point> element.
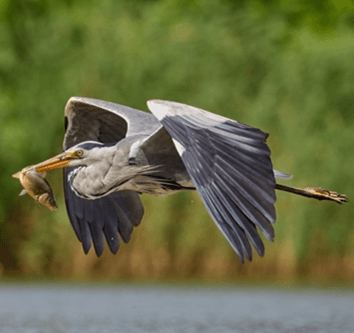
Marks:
<point>314,192</point>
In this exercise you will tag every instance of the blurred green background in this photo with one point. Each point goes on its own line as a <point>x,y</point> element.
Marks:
<point>286,67</point>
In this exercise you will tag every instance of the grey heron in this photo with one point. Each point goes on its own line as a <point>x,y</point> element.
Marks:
<point>113,153</point>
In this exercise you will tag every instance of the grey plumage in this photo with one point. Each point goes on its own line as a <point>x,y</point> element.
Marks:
<point>228,163</point>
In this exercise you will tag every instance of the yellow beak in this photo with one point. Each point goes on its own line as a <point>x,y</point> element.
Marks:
<point>59,161</point>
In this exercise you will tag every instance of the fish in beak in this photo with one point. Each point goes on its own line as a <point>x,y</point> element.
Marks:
<point>33,180</point>
<point>35,184</point>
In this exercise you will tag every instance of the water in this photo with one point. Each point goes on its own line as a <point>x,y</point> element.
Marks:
<point>70,309</point>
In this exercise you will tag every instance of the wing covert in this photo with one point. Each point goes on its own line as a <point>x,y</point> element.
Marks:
<point>88,119</point>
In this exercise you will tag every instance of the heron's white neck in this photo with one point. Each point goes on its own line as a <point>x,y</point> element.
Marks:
<point>89,179</point>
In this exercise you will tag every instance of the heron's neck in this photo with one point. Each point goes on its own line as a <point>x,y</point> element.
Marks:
<point>90,179</point>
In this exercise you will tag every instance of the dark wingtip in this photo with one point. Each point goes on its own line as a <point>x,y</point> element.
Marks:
<point>125,237</point>
<point>99,250</point>
<point>114,249</point>
<point>269,234</point>
<point>113,243</point>
<point>86,247</point>
<point>261,253</point>
<point>249,256</point>
<point>242,259</point>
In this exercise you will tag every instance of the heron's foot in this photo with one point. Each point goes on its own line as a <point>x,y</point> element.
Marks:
<point>323,194</point>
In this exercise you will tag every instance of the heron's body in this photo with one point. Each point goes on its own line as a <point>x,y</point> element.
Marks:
<point>128,166</point>
<point>113,153</point>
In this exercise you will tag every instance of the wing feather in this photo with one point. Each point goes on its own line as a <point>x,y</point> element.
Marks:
<point>116,214</point>
<point>106,217</point>
<point>230,166</point>
<point>89,119</point>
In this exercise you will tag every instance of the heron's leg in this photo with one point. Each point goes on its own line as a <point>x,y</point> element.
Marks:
<point>314,192</point>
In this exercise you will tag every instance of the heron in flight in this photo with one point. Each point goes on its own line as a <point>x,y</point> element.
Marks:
<point>113,153</point>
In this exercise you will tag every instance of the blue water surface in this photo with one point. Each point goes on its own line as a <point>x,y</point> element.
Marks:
<point>120,308</point>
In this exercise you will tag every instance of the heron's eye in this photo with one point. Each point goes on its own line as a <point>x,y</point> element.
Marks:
<point>78,153</point>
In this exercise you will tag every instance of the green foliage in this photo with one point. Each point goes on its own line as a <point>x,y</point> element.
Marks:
<point>285,67</point>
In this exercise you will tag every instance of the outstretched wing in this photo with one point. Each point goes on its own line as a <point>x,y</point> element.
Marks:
<point>230,165</point>
<point>93,220</point>
<point>88,119</point>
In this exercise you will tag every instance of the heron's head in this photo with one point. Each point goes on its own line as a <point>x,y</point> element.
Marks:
<point>84,153</point>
